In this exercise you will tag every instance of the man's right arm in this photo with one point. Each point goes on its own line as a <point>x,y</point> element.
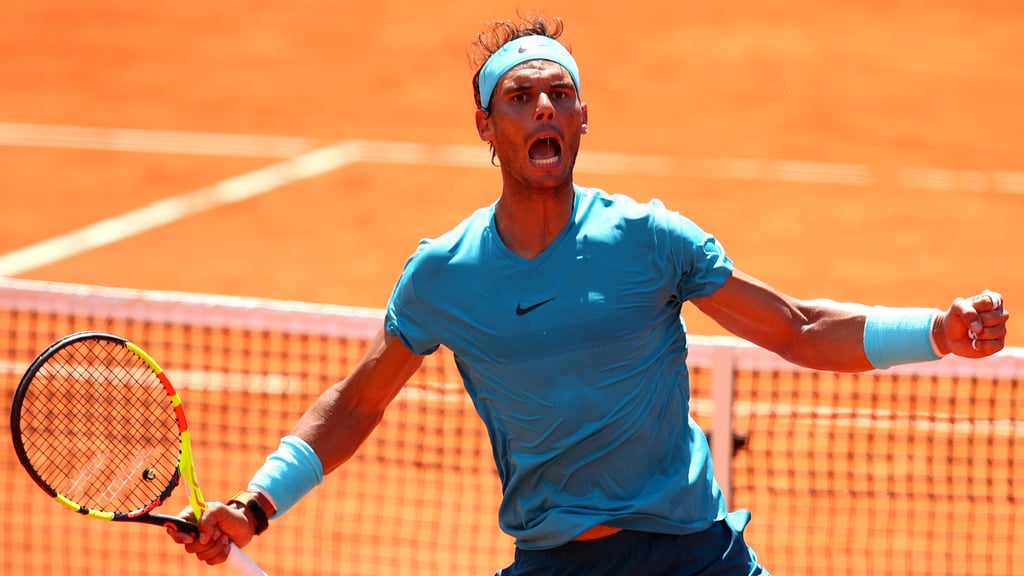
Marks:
<point>334,426</point>
<point>345,414</point>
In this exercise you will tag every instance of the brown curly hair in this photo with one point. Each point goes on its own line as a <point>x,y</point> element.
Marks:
<point>499,32</point>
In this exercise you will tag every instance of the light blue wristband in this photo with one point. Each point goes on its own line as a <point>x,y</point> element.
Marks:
<point>899,336</point>
<point>289,473</point>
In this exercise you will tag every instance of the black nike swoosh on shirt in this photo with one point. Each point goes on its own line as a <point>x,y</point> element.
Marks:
<point>520,311</point>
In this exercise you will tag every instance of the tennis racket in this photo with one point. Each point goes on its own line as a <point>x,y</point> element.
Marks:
<point>99,427</point>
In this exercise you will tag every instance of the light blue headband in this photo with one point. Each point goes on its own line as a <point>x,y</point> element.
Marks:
<point>518,51</point>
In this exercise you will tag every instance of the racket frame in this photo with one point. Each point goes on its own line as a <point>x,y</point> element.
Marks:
<point>185,469</point>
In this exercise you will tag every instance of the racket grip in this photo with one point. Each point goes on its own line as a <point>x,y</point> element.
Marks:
<point>241,564</point>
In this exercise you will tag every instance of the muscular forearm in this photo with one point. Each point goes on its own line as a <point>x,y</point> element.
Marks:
<point>829,336</point>
<point>335,427</point>
<point>336,424</point>
<point>821,334</point>
<point>345,414</point>
<point>848,337</point>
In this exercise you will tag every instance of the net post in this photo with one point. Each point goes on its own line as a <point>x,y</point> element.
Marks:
<point>722,387</point>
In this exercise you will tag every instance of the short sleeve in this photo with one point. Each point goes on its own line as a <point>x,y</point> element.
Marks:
<point>702,265</point>
<point>406,316</point>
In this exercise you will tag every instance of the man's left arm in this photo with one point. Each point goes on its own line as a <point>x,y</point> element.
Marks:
<point>847,337</point>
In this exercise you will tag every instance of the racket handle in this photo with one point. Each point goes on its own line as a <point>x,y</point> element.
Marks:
<point>241,564</point>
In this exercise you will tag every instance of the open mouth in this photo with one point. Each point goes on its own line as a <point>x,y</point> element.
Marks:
<point>545,152</point>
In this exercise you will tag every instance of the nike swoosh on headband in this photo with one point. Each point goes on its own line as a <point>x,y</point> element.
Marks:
<point>521,50</point>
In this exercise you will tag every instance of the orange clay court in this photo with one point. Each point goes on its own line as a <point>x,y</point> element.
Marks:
<point>865,151</point>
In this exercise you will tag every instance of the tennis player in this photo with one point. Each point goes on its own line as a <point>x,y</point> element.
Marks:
<point>562,306</point>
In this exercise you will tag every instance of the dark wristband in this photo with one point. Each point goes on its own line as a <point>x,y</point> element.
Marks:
<point>251,503</point>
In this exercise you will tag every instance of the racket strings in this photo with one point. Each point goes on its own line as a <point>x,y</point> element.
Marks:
<point>99,428</point>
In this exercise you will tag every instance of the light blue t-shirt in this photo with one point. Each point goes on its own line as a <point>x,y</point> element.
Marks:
<point>576,362</point>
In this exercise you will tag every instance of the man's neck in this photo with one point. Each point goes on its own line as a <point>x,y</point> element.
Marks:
<point>529,221</point>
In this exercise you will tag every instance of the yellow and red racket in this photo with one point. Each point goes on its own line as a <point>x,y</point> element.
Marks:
<point>98,426</point>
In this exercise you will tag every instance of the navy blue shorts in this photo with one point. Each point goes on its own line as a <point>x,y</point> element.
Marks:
<point>718,551</point>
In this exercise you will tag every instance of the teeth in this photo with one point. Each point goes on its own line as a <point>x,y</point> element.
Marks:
<point>546,162</point>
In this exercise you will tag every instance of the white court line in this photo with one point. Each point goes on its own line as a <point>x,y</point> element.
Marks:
<point>721,168</point>
<point>236,189</point>
<point>304,164</point>
<point>152,141</point>
<point>477,156</point>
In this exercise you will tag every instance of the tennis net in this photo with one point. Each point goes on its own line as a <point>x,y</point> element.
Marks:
<point>915,470</point>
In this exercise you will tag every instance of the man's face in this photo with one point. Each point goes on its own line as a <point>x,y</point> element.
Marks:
<point>535,123</point>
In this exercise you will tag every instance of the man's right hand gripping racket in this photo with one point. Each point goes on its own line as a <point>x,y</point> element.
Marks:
<point>99,427</point>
